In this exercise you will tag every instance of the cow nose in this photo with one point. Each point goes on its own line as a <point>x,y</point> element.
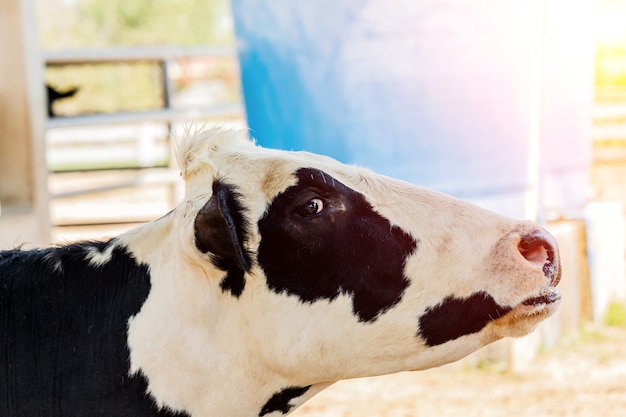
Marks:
<point>540,250</point>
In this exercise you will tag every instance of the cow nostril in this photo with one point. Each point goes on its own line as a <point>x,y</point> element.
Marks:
<point>537,250</point>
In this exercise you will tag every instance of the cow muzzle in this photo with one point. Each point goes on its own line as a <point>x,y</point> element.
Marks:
<point>539,250</point>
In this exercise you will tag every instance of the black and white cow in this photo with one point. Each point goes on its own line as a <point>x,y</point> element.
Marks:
<point>279,273</point>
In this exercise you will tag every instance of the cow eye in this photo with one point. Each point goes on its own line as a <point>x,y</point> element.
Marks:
<point>312,207</point>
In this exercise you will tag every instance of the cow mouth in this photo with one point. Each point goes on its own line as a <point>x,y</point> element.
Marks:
<point>550,296</point>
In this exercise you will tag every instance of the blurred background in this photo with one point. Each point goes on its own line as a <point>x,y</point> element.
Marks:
<point>517,106</point>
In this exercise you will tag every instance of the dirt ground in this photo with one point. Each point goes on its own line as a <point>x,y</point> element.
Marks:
<point>582,377</point>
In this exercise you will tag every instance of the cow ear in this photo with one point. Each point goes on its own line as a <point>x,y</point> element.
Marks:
<point>221,230</point>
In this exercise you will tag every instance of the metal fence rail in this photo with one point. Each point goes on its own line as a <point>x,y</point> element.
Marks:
<point>125,54</point>
<point>165,57</point>
<point>167,115</point>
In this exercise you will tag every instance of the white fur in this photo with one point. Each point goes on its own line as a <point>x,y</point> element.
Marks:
<point>97,258</point>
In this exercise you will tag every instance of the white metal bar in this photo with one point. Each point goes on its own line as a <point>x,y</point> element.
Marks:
<point>165,176</point>
<point>115,55</point>
<point>164,115</point>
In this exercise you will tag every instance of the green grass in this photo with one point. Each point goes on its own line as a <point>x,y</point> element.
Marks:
<point>615,315</point>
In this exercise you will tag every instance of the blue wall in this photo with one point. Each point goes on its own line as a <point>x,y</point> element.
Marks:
<point>446,94</point>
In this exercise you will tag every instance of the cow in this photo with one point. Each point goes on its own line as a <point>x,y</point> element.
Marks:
<point>55,95</point>
<point>280,273</point>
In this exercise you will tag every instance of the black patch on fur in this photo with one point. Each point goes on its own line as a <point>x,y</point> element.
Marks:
<point>221,230</point>
<point>347,248</point>
<point>280,400</point>
<point>63,327</point>
<point>455,317</point>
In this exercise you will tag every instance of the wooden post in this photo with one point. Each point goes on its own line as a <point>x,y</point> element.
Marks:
<point>24,216</point>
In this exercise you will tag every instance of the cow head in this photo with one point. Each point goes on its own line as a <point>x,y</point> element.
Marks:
<point>292,271</point>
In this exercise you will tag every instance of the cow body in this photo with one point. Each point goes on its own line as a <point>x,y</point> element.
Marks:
<point>64,329</point>
<point>279,274</point>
